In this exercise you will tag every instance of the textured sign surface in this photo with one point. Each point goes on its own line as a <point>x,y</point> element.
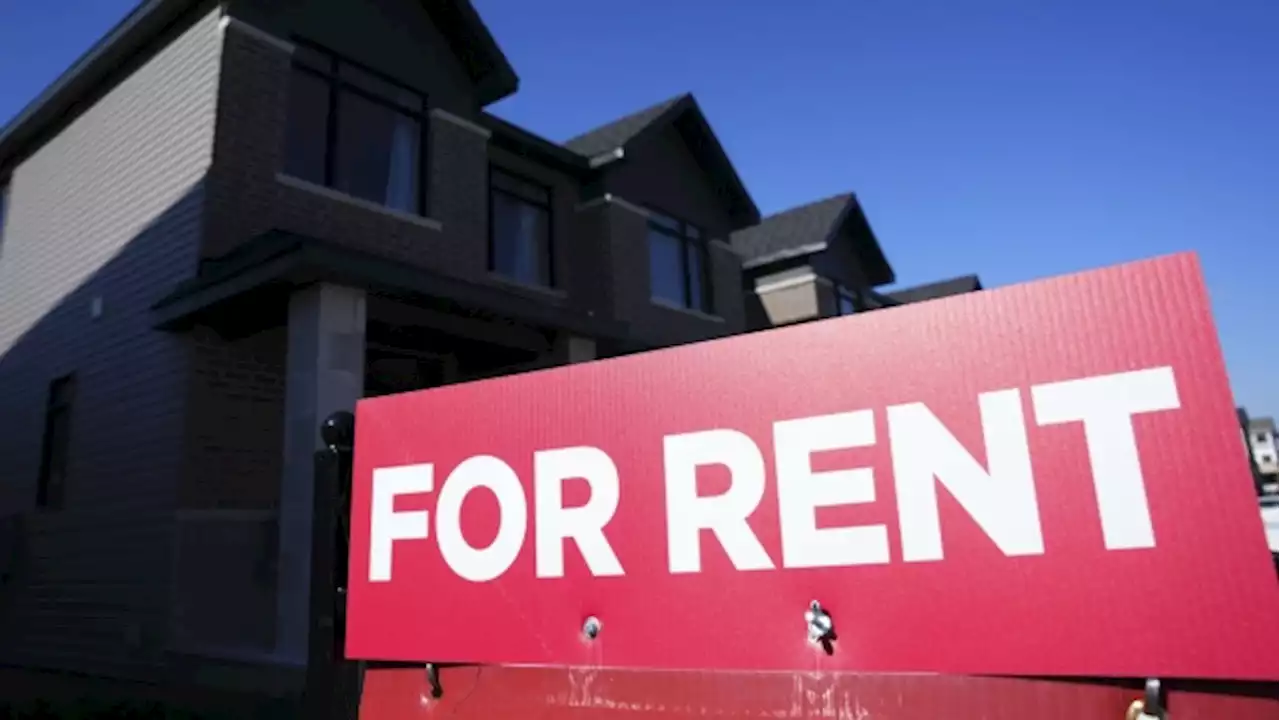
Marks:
<point>1045,479</point>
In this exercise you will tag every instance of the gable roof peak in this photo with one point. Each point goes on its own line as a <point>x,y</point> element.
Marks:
<point>616,134</point>
<point>811,228</point>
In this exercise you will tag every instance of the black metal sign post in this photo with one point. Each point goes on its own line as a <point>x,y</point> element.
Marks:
<point>333,684</point>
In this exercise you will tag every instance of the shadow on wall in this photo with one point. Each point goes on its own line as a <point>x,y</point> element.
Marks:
<point>109,579</point>
<point>753,308</point>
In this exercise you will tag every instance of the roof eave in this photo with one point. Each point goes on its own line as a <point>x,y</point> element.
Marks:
<point>879,271</point>
<point>96,64</point>
<point>495,78</point>
<point>521,141</point>
<point>500,80</point>
<point>745,213</point>
<point>790,253</point>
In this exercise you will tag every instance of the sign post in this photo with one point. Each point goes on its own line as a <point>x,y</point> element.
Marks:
<point>1041,480</point>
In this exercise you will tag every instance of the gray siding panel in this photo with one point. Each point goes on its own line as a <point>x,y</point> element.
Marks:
<point>109,208</point>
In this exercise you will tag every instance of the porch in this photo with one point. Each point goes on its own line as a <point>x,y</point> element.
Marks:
<point>285,332</point>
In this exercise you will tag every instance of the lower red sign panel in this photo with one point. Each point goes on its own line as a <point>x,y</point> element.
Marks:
<point>1046,479</point>
<point>495,693</point>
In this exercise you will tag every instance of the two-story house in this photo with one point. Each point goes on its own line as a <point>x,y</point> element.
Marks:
<point>823,260</point>
<point>230,219</point>
<point>810,262</point>
<point>1263,448</point>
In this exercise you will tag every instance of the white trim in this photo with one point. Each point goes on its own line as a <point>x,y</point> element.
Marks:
<point>790,282</point>
<point>785,254</point>
<point>461,122</point>
<point>611,199</point>
<point>606,158</point>
<point>308,186</point>
<point>628,205</point>
<point>587,205</point>
<point>718,243</point>
<point>668,305</point>
<point>256,33</point>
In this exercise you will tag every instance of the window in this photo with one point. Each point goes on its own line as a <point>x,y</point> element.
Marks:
<point>845,301</point>
<point>1260,437</point>
<point>355,131</point>
<point>57,438</point>
<point>519,229</point>
<point>677,263</point>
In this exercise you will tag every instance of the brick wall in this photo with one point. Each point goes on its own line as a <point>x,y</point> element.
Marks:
<point>235,434</point>
<point>654,324</point>
<point>248,197</point>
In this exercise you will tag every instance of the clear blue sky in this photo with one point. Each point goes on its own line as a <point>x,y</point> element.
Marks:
<point>1013,138</point>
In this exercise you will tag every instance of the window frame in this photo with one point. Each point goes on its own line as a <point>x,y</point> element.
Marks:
<point>548,206</point>
<point>843,293</point>
<point>689,235</point>
<point>337,84</point>
<point>59,403</point>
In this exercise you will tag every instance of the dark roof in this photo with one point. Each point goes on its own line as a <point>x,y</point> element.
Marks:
<point>940,289</point>
<point>520,141</point>
<point>611,136</point>
<point>457,19</point>
<point>686,116</point>
<point>810,229</point>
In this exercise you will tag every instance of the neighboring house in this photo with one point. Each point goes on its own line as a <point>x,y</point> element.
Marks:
<point>1262,443</point>
<point>936,290</point>
<point>810,262</point>
<point>228,220</point>
<point>1242,416</point>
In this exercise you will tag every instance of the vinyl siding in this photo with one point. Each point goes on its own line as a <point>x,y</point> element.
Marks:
<point>106,213</point>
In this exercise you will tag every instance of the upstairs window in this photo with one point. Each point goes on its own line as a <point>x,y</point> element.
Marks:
<point>520,229</point>
<point>51,483</point>
<point>845,302</point>
<point>678,263</point>
<point>356,131</point>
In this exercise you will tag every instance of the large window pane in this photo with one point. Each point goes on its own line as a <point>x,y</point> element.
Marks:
<point>377,153</point>
<point>666,267</point>
<point>355,131</point>
<point>697,293</point>
<point>521,240</point>
<point>845,304</point>
<point>308,126</point>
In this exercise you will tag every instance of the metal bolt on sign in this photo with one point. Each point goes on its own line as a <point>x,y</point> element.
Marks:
<point>1151,706</point>
<point>591,627</point>
<point>821,626</point>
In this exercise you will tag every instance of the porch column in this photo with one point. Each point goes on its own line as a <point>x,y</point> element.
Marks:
<point>325,373</point>
<point>573,349</point>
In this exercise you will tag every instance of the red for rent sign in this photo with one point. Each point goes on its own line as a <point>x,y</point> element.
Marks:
<point>1045,479</point>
